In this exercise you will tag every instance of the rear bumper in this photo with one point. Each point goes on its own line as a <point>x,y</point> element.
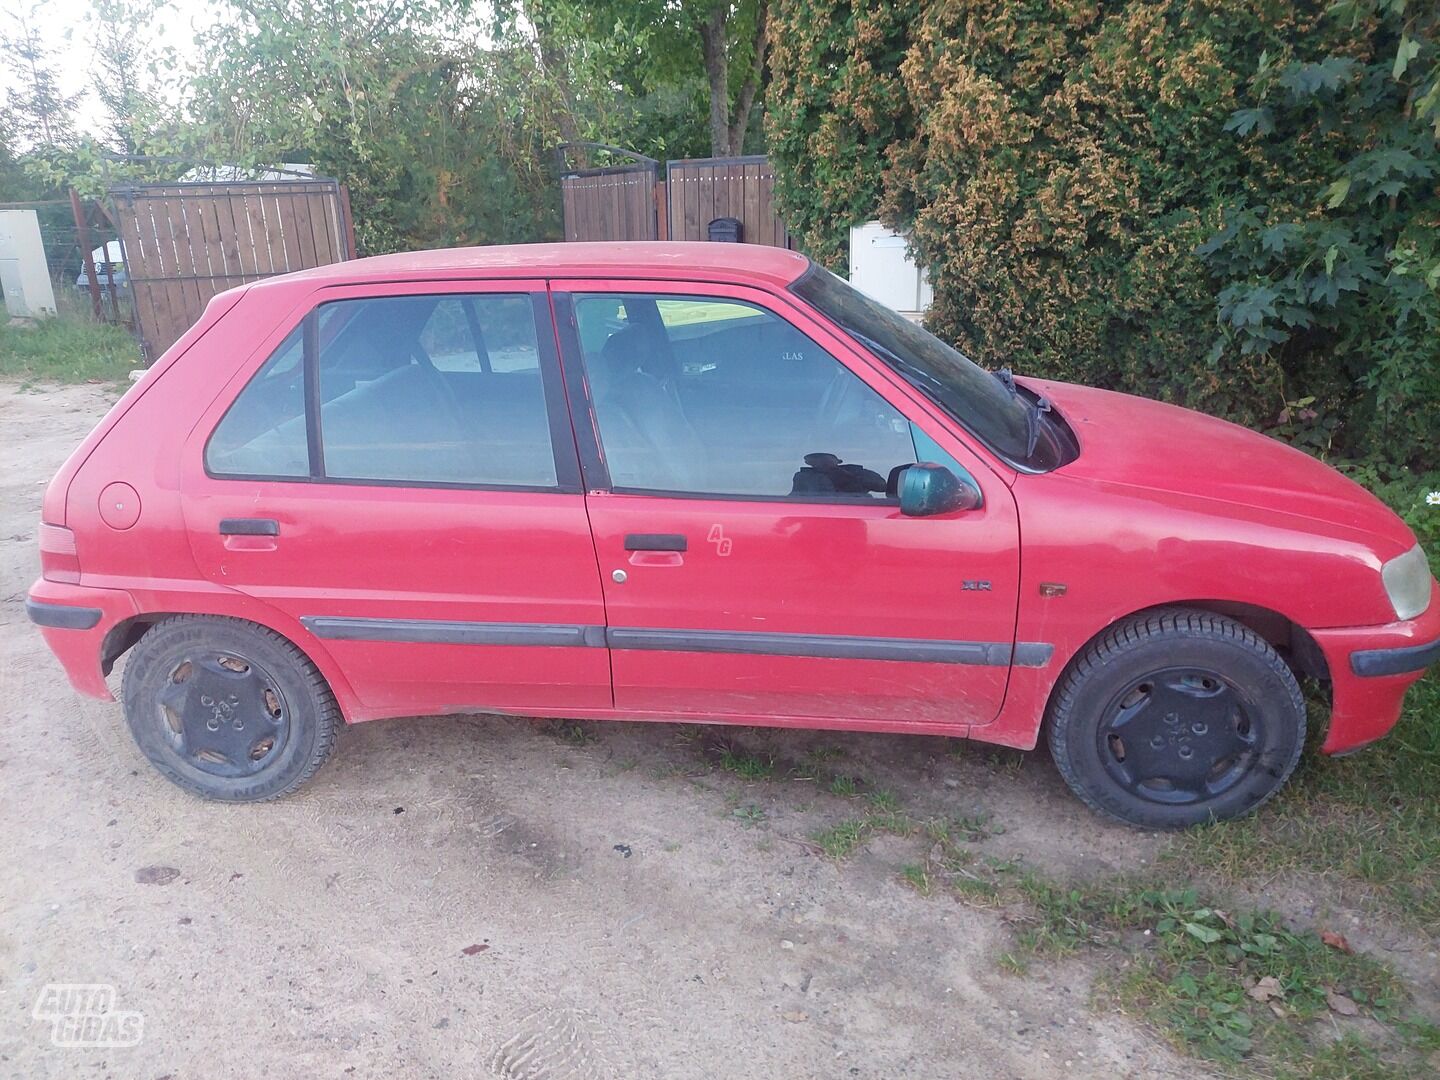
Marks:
<point>62,616</point>
<point>75,620</point>
<point>1371,667</point>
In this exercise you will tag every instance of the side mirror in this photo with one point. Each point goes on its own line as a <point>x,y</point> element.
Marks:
<point>926,489</point>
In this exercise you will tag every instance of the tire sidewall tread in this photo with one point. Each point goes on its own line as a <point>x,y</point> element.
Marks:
<point>314,714</point>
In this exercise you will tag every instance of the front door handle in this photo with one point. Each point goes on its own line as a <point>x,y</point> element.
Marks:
<point>655,542</point>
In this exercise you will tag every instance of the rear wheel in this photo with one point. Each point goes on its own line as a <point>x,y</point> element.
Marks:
<point>1177,717</point>
<point>227,709</point>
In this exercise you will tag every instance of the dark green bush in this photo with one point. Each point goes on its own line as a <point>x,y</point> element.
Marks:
<point>1232,205</point>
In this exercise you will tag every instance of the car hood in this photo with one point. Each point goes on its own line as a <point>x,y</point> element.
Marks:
<point>1147,444</point>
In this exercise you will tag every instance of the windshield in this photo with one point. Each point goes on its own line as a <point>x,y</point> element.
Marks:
<point>973,396</point>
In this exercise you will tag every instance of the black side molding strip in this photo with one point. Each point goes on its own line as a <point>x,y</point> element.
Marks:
<point>437,632</point>
<point>63,616</point>
<point>1401,661</point>
<point>831,646</point>
<point>820,646</point>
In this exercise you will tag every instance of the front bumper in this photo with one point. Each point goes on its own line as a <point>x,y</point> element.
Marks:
<point>1371,667</point>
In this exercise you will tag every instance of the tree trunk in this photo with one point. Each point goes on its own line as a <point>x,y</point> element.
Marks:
<point>717,71</point>
<point>751,87</point>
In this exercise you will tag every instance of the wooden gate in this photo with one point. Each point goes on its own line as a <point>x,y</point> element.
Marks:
<point>185,242</point>
<point>615,203</point>
<point>704,189</point>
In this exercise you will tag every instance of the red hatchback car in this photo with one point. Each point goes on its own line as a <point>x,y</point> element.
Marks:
<point>706,483</point>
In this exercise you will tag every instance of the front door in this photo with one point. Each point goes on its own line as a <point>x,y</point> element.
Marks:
<point>399,477</point>
<point>741,482</point>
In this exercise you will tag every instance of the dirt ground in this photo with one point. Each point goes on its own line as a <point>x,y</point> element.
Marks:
<point>637,918</point>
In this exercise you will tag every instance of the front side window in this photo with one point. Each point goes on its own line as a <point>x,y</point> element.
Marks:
<point>421,389</point>
<point>711,396</point>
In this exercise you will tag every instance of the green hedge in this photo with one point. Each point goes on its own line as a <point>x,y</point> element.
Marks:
<point>1230,205</point>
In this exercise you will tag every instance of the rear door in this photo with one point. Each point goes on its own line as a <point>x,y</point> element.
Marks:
<point>741,462</point>
<point>398,474</point>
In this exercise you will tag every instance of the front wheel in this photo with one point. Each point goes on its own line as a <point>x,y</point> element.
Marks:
<point>1176,717</point>
<point>227,709</point>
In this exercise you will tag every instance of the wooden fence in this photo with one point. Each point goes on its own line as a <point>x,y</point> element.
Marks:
<point>627,203</point>
<point>704,189</point>
<point>183,243</point>
<point>617,203</point>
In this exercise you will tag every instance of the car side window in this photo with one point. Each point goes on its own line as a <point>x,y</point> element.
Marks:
<point>411,389</point>
<point>710,396</point>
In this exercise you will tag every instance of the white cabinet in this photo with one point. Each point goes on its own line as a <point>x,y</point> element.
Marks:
<point>24,276</point>
<point>881,268</point>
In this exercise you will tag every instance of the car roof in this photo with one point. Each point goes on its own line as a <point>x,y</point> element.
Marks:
<point>646,259</point>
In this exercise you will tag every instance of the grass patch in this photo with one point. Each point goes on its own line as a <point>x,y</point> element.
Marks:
<point>844,786</point>
<point>842,840</point>
<point>747,765</point>
<point>1242,989</point>
<point>571,732</point>
<point>1368,824</point>
<point>750,816</point>
<point>67,348</point>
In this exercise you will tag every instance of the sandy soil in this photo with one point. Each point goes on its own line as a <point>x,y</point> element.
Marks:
<point>333,933</point>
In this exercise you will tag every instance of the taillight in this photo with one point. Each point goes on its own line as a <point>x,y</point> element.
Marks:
<point>58,558</point>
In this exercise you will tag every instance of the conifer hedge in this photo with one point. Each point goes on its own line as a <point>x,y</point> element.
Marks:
<point>1232,205</point>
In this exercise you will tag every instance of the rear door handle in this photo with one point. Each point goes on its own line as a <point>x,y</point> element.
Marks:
<point>655,542</point>
<point>249,527</point>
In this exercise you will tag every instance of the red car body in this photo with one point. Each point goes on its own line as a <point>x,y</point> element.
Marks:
<point>1161,507</point>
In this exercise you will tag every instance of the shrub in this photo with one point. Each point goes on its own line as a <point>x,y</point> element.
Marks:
<point>1230,205</point>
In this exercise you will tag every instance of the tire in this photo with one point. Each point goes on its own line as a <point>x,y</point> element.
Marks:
<point>1175,718</point>
<point>227,709</point>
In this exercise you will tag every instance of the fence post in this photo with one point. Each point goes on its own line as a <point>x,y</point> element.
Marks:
<point>82,233</point>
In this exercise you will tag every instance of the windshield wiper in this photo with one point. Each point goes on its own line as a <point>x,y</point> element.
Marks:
<point>935,390</point>
<point>1033,408</point>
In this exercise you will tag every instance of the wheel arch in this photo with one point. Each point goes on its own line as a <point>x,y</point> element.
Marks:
<point>1292,641</point>
<point>1296,645</point>
<point>126,634</point>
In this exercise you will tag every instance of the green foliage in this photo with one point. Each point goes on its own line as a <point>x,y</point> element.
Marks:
<point>1096,188</point>
<point>69,348</point>
<point>441,136</point>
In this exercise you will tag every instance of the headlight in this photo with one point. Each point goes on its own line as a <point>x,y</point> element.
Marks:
<point>1407,582</point>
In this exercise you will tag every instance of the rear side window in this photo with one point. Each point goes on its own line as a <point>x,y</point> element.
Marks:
<point>409,389</point>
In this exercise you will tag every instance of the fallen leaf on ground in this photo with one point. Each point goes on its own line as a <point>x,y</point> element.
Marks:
<point>1335,941</point>
<point>1341,1004</point>
<point>471,950</point>
<point>1266,988</point>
